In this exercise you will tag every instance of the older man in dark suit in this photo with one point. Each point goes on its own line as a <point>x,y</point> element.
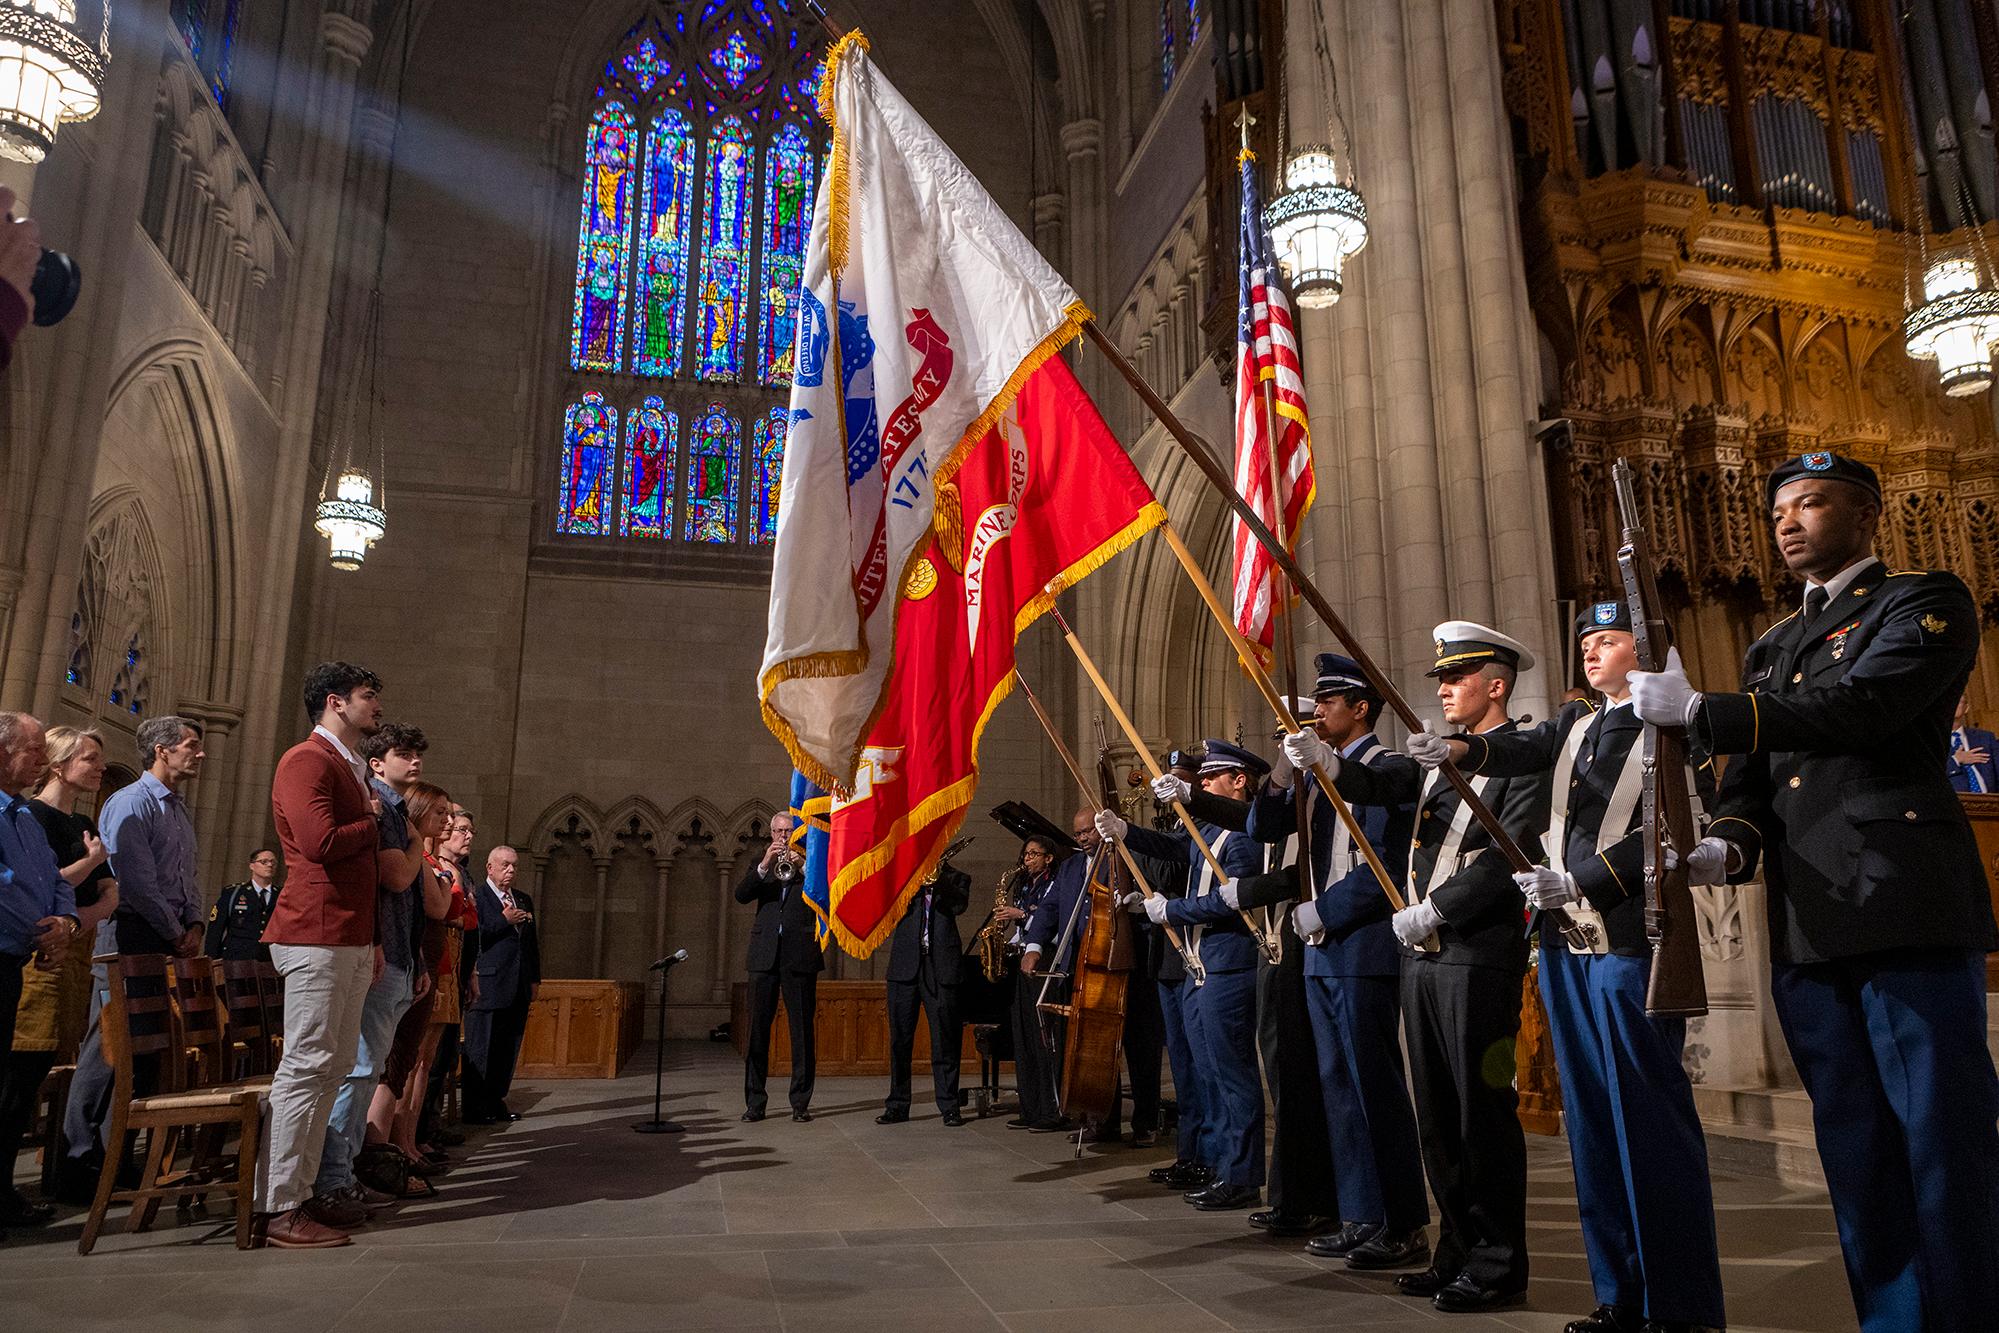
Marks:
<point>923,957</point>
<point>784,959</point>
<point>509,973</point>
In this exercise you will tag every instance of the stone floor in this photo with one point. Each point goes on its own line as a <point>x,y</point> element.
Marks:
<point>569,1220</point>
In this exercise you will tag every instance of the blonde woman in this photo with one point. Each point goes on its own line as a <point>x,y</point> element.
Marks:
<point>55,1003</point>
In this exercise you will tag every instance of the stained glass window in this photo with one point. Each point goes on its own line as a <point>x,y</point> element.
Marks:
<point>1166,8</point>
<point>767,454</point>
<point>605,241</point>
<point>714,458</point>
<point>787,220</point>
<point>665,215</point>
<point>701,156</point>
<point>589,448</point>
<point>1193,21</point>
<point>725,251</point>
<point>652,434</point>
<point>209,28</point>
<point>129,688</point>
<point>190,19</point>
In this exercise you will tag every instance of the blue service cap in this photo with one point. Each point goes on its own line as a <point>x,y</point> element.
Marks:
<point>1224,755</point>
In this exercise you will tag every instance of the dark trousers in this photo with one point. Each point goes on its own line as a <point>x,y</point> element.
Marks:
<point>940,1005</point>
<point>1461,1023</point>
<point>801,992</point>
<point>440,1072</point>
<point>1301,1157</point>
<point>492,1047</point>
<point>1891,1047</point>
<point>1034,1062</point>
<point>1377,1162</point>
<point>1642,1184</point>
<point>1144,1045</point>
<point>17,1068</point>
<point>1192,1110</point>
<point>1222,1031</point>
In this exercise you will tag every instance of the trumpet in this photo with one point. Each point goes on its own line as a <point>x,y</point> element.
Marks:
<point>787,868</point>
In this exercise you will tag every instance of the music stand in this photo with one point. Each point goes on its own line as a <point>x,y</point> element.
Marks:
<point>657,1125</point>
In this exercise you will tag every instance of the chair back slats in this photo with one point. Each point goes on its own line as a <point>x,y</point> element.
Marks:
<point>138,1021</point>
<point>200,1021</point>
<point>243,1003</point>
<point>271,986</point>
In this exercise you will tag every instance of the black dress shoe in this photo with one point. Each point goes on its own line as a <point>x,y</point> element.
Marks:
<point>1223,1197</point>
<point>751,1117</point>
<point>954,1119</point>
<point>1158,1174</point>
<point>801,1115</point>
<point>1277,1222</point>
<point>1426,1283</point>
<point>17,1210</point>
<point>1341,1243</point>
<point>1058,1126</point>
<point>1464,1296</point>
<point>510,1115</point>
<point>1607,1319</point>
<point>1387,1249</point>
<point>1189,1178</point>
<point>1020,1122</point>
<point>891,1117</point>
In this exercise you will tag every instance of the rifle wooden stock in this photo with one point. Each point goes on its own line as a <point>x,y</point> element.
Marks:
<point>1677,985</point>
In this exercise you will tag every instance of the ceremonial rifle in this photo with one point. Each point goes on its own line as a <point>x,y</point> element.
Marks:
<point>1677,986</point>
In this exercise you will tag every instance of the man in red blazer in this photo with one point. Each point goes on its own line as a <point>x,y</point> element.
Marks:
<point>322,938</point>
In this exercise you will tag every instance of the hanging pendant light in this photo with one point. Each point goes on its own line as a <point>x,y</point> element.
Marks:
<point>1957,326</point>
<point>1318,222</point>
<point>1318,219</point>
<point>49,71</point>
<point>351,521</point>
<point>355,516</point>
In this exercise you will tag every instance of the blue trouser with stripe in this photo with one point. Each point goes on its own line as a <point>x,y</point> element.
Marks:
<point>1173,1004</point>
<point>1377,1160</point>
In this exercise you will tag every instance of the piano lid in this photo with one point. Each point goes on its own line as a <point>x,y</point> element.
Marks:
<point>1024,822</point>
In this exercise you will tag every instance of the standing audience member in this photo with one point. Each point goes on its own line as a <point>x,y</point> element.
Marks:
<point>464,941</point>
<point>1974,753</point>
<point>394,755</point>
<point>784,957</point>
<point>322,939</point>
<point>385,1165</point>
<point>150,838</point>
<point>55,1003</point>
<point>444,945</point>
<point>506,978</point>
<point>236,922</point>
<point>37,908</point>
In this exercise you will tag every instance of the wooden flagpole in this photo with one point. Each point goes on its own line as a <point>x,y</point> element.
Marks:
<point>1193,962</point>
<point>1272,951</point>
<point>1196,450</point>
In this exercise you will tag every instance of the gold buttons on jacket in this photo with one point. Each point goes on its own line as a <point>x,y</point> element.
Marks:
<point>1909,814</point>
<point>1798,677</point>
<point>1797,782</point>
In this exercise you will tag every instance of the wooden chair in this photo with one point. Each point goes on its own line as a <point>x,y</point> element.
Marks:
<point>139,1023</point>
<point>200,1009</point>
<point>252,1050</point>
<point>271,988</point>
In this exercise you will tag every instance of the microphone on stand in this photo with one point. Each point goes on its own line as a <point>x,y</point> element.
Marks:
<point>657,1125</point>
<point>677,956</point>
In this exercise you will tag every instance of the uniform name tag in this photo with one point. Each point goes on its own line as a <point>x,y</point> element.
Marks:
<point>1758,677</point>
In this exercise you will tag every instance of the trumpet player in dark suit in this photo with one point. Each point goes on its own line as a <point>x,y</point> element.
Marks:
<point>784,960</point>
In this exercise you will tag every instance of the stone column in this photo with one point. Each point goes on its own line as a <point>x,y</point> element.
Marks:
<point>214,791</point>
<point>328,119</point>
<point>1418,379</point>
<point>88,196</point>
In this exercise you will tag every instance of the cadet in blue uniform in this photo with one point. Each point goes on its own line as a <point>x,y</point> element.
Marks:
<point>1221,1023</point>
<point>1189,1170</point>
<point>1880,918</point>
<point>1627,1105</point>
<point>1353,970</point>
<point>1461,994</point>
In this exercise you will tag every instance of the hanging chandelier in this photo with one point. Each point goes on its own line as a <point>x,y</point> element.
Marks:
<point>1957,326</point>
<point>1957,323</point>
<point>50,73</point>
<point>355,515</point>
<point>1318,219</point>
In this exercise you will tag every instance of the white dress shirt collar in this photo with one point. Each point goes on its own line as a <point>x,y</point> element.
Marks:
<point>1839,582</point>
<point>353,760</point>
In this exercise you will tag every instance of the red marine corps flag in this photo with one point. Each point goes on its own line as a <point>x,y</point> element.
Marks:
<point>1266,351</point>
<point>945,477</point>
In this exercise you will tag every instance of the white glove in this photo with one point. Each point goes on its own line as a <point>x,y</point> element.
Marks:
<point>1110,826</point>
<point>1427,748</point>
<point>1282,772</point>
<point>1305,750</point>
<point>1155,909</point>
<point>1416,922</point>
<point>1547,888</point>
<point>1169,789</point>
<point>1305,920</point>
<point>1665,698</point>
<point>1707,863</point>
<point>1133,902</point>
<point>1231,895</point>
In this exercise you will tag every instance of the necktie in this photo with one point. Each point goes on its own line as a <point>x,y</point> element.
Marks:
<point>926,918</point>
<point>1815,600</point>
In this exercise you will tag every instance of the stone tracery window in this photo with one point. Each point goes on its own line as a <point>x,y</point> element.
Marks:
<point>700,158</point>
<point>114,627</point>
<point>209,28</point>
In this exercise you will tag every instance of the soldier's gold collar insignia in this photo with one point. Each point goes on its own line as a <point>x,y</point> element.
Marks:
<point>1934,624</point>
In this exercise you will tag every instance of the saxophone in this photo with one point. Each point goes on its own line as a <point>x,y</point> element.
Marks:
<point>992,935</point>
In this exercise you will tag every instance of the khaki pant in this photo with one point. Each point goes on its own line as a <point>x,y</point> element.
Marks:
<point>326,988</point>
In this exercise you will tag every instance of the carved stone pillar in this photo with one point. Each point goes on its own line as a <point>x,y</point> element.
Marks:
<point>603,901</point>
<point>327,118</point>
<point>221,846</point>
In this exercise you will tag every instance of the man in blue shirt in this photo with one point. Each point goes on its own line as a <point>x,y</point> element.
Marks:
<point>1973,753</point>
<point>150,838</point>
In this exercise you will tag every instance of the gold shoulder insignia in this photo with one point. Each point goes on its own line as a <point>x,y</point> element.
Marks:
<point>1934,624</point>
<point>1779,625</point>
<point>1906,573</point>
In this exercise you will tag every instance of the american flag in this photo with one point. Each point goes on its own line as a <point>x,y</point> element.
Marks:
<point>1266,350</point>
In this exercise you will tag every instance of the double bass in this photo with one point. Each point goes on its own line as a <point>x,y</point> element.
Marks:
<point>1094,1011</point>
